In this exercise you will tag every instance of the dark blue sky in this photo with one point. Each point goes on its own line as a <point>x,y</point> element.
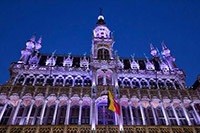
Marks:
<point>67,27</point>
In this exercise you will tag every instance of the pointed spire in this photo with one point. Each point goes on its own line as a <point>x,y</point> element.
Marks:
<point>38,44</point>
<point>163,45</point>
<point>153,50</point>
<point>151,46</point>
<point>33,38</point>
<point>146,57</point>
<point>39,40</point>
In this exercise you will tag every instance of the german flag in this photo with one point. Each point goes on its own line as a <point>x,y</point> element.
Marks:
<point>112,104</point>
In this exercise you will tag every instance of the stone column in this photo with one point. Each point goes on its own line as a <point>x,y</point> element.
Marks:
<point>55,113</point>
<point>16,112</point>
<point>154,114</point>
<point>42,112</point>
<point>121,119</point>
<point>91,112</point>
<point>67,112</point>
<point>94,113</point>
<point>177,119</point>
<point>186,114</point>
<point>80,112</point>
<point>131,113</point>
<point>142,113</point>
<point>196,113</point>
<point>29,112</point>
<point>164,113</point>
<point>3,110</point>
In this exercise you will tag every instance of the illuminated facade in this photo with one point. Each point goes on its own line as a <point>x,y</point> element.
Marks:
<point>48,93</point>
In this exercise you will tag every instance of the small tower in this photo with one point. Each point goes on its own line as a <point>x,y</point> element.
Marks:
<point>167,57</point>
<point>25,53</point>
<point>102,43</point>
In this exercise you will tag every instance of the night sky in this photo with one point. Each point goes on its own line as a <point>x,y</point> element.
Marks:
<point>66,26</point>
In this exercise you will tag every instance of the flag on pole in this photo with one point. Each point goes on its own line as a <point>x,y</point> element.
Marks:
<point>112,104</point>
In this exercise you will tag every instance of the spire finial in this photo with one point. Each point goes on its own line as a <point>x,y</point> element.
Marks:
<point>100,11</point>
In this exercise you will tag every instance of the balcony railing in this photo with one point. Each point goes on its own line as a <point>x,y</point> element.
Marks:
<point>99,129</point>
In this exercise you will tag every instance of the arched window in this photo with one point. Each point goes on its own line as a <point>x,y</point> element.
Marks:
<point>78,82</point>
<point>59,81</point>
<point>126,83</point>
<point>69,81</point>
<point>100,80</point>
<point>20,80</point>
<point>160,116</point>
<point>105,116</point>
<point>21,115</point>
<point>161,85</point>
<point>48,117</point>
<point>119,83</point>
<point>181,116</point>
<point>144,84</point>
<point>171,116</point>
<point>39,81</point>
<point>149,116</point>
<point>153,84</point>
<point>87,82</point>
<point>60,120</point>
<point>126,116</point>
<point>135,84</point>
<point>103,54</point>
<point>74,114</point>
<point>137,115</point>
<point>35,115</point>
<point>29,80</point>
<point>177,85</point>
<point>85,118</point>
<point>169,85</point>
<point>192,115</point>
<point>49,81</point>
<point>7,116</point>
<point>197,107</point>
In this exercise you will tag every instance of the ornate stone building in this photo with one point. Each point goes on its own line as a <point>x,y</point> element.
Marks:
<point>65,93</point>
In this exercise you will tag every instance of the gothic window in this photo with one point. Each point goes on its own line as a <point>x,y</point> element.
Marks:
<point>192,115</point>
<point>105,116</point>
<point>48,116</point>
<point>20,80</point>
<point>177,85</point>
<point>103,54</point>
<point>87,82</point>
<point>160,116</point>
<point>69,81</point>
<point>126,83</point>
<point>49,81</point>
<point>78,82</point>
<point>153,84</point>
<point>60,120</point>
<point>31,118</point>
<point>149,116</point>
<point>181,116</point>
<point>135,84</point>
<point>85,118</point>
<point>144,84</point>
<point>74,114</point>
<point>100,80</point>
<point>197,107</point>
<point>161,85</point>
<point>36,115</point>
<point>171,116</point>
<point>7,116</point>
<point>126,116</point>
<point>21,115</point>
<point>119,83</point>
<point>137,115</point>
<point>39,81</point>
<point>29,80</point>
<point>169,85</point>
<point>59,81</point>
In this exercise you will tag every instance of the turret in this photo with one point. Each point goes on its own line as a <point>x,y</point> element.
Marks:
<point>25,53</point>
<point>167,57</point>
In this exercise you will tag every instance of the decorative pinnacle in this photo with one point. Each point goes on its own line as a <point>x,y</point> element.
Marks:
<point>163,45</point>
<point>133,56</point>
<point>40,40</point>
<point>146,57</point>
<point>151,46</point>
<point>33,38</point>
<point>53,53</point>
